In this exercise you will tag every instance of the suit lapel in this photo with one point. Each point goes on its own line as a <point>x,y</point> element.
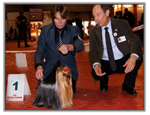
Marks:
<point>52,39</point>
<point>99,34</point>
<point>114,30</point>
<point>66,35</point>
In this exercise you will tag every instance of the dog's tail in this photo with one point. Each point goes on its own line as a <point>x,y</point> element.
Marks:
<point>47,96</point>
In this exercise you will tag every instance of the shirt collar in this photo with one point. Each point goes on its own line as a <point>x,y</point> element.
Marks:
<point>64,28</point>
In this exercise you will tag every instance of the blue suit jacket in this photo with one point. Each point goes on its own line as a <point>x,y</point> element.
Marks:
<point>47,49</point>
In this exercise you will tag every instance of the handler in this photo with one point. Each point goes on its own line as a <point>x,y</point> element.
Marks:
<point>114,48</point>
<point>58,42</point>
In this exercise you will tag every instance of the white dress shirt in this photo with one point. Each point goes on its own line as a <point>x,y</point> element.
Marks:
<point>117,54</point>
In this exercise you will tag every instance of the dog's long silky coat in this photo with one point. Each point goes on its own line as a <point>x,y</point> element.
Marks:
<point>57,94</point>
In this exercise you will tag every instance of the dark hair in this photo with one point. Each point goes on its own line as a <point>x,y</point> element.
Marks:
<point>59,8</point>
<point>117,12</point>
<point>105,7</point>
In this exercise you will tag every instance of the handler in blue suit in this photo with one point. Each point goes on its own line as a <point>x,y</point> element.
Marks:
<point>58,43</point>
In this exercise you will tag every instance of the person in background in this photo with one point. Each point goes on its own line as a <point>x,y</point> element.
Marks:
<point>21,22</point>
<point>78,21</point>
<point>118,15</point>
<point>15,34</point>
<point>114,48</point>
<point>11,32</point>
<point>129,17</point>
<point>58,43</point>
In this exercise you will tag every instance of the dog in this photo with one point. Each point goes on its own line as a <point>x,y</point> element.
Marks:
<point>58,94</point>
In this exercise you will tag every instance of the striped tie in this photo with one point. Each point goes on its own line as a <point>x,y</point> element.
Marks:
<point>59,40</point>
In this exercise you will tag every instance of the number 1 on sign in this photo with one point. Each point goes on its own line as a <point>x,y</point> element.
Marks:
<point>16,85</point>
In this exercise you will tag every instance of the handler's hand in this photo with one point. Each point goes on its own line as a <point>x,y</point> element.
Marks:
<point>63,49</point>
<point>130,64</point>
<point>39,72</point>
<point>98,70</point>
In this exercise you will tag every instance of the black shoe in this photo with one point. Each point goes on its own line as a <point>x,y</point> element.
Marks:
<point>129,90</point>
<point>27,45</point>
<point>104,89</point>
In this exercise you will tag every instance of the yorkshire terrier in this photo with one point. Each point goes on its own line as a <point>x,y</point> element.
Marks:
<point>57,94</point>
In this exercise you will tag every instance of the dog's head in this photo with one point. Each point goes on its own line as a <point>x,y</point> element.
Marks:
<point>64,86</point>
<point>63,73</point>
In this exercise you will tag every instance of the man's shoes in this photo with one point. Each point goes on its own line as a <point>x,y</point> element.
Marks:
<point>104,89</point>
<point>129,90</point>
<point>27,45</point>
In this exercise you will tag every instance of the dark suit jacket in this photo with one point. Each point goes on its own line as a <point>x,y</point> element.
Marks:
<point>47,47</point>
<point>121,27</point>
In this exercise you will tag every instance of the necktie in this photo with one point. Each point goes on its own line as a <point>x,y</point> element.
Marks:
<point>59,40</point>
<point>109,51</point>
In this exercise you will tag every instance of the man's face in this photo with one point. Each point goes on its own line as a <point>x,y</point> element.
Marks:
<point>101,18</point>
<point>59,21</point>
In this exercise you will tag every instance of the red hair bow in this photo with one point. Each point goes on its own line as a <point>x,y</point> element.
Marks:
<point>66,69</point>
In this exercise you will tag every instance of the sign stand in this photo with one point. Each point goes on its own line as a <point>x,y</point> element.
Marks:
<point>17,87</point>
<point>21,60</point>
